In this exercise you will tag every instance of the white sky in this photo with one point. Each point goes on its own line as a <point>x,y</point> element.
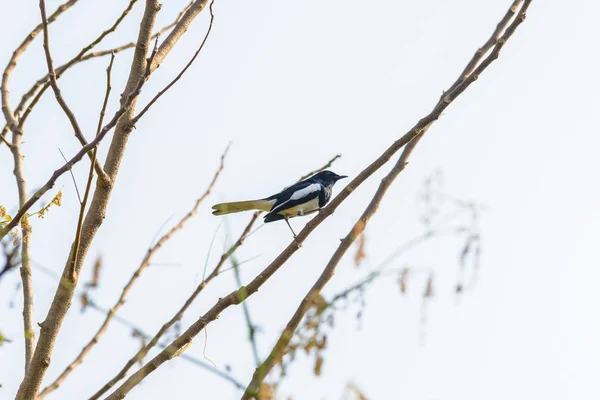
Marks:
<point>292,84</point>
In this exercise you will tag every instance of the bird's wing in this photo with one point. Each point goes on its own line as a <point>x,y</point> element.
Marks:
<point>296,194</point>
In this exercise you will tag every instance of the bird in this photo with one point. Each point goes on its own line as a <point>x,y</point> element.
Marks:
<point>302,198</point>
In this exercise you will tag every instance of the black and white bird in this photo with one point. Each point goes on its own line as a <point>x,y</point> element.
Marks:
<point>302,198</point>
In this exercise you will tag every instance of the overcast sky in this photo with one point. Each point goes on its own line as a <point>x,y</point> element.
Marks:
<point>291,84</point>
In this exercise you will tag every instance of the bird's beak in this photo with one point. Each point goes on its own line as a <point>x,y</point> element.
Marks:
<point>340,177</point>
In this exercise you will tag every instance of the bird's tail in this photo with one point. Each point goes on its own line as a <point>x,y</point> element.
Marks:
<point>237,206</point>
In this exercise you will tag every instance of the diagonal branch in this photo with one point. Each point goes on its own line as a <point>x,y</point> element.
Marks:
<point>12,63</point>
<point>45,81</point>
<point>189,64</point>
<point>237,296</point>
<point>179,314</point>
<point>128,101</point>
<point>59,98</point>
<point>282,343</point>
<point>122,298</point>
<point>215,272</point>
<point>278,351</point>
<point>80,57</point>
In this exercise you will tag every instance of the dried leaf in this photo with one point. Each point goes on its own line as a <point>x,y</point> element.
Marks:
<point>402,280</point>
<point>318,365</point>
<point>96,273</point>
<point>360,252</point>
<point>85,301</point>
<point>429,288</point>
<point>267,391</point>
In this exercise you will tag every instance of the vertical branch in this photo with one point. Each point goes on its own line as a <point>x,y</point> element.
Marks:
<point>63,298</point>
<point>57,94</point>
<point>25,268</point>
<point>18,171</point>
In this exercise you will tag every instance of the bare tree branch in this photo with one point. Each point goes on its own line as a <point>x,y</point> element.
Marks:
<point>128,101</point>
<point>277,353</point>
<point>15,148</point>
<point>25,269</point>
<point>122,298</point>
<point>179,314</point>
<point>247,317</point>
<point>177,317</point>
<point>59,98</point>
<point>189,64</point>
<point>63,298</point>
<point>279,349</point>
<point>324,167</point>
<point>237,296</point>
<point>80,57</point>
<point>12,63</point>
<point>178,30</point>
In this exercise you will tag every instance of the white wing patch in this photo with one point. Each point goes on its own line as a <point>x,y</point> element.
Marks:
<point>315,187</point>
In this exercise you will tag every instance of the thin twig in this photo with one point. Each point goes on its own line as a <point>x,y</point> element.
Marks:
<point>130,325</point>
<point>324,167</point>
<point>161,92</point>
<point>143,265</point>
<point>57,93</point>
<point>72,177</point>
<point>80,57</point>
<point>247,232</point>
<point>246,310</point>
<point>77,157</point>
<point>179,314</point>
<point>12,63</point>
<point>46,82</point>
<point>237,296</point>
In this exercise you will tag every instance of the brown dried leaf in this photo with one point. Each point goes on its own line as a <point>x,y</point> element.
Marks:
<point>85,301</point>
<point>402,280</point>
<point>267,391</point>
<point>96,274</point>
<point>360,252</point>
<point>318,365</point>
<point>429,288</point>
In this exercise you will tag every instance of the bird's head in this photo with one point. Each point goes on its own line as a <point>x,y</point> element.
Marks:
<point>328,178</point>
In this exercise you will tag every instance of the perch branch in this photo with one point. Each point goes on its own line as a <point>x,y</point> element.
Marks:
<point>237,296</point>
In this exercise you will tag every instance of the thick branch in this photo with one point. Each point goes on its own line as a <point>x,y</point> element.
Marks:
<point>178,30</point>
<point>237,296</point>
<point>64,294</point>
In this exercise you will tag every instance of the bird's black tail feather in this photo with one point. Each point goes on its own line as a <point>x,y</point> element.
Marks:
<point>271,217</point>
